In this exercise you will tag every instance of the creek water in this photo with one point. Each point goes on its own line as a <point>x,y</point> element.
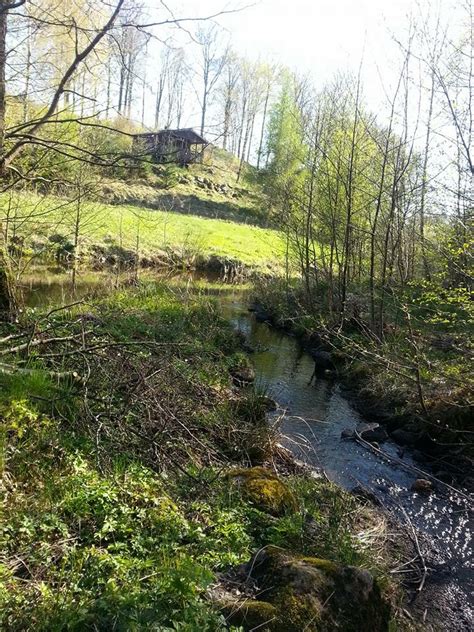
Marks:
<point>311,419</point>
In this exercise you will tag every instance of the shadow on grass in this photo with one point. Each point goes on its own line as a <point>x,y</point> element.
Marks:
<point>190,204</point>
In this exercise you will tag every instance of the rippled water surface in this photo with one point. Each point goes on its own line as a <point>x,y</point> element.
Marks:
<point>313,417</point>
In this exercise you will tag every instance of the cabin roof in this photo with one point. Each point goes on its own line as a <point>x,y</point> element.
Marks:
<point>187,134</point>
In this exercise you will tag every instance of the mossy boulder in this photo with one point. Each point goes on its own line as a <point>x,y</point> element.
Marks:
<point>265,490</point>
<point>243,375</point>
<point>250,614</point>
<point>317,595</point>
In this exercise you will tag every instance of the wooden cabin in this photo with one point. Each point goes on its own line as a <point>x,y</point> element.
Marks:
<point>181,146</point>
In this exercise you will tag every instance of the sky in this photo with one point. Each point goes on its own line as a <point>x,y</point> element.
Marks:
<point>321,37</point>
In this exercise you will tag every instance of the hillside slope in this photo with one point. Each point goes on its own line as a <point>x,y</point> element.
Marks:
<point>172,217</point>
<point>212,189</point>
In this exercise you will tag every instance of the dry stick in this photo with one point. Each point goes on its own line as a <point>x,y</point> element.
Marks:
<point>107,345</point>
<point>399,568</point>
<point>10,369</point>
<point>30,339</point>
<point>27,332</point>
<point>417,359</point>
<point>407,466</point>
<point>418,550</point>
<point>13,337</point>
<point>262,624</point>
<point>63,307</point>
<point>36,343</point>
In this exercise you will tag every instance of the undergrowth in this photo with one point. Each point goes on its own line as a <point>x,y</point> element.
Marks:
<point>116,510</point>
<point>434,342</point>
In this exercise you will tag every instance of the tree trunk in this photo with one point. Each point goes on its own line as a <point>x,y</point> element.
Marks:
<point>77,225</point>
<point>204,108</point>
<point>227,112</point>
<point>424,184</point>
<point>109,89</point>
<point>262,131</point>
<point>27,74</point>
<point>3,62</point>
<point>249,146</point>
<point>159,97</point>
<point>8,299</point>
<point>8,302</point>
<point>347,249</point>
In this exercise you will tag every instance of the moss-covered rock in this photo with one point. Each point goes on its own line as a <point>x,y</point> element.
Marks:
<point>265,490</point>
<point>243,374</point>
<point>316,595</point>
<point>251,614</point>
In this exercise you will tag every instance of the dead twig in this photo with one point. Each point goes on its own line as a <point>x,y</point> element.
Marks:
<point>407,466</point>
<point>37,343</point>
<point>418,550</point>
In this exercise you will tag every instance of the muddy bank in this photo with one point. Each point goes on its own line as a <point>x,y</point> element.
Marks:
<point>113,259</point>
<point>100,257</point>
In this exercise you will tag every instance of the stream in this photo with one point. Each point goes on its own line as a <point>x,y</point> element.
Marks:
<point>311,419</point>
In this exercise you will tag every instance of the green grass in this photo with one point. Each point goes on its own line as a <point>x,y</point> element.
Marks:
<point>105,224</point>
<point>97,532</point>
<point>210,189</point>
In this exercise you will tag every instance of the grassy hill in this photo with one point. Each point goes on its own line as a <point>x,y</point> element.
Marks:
<point>211,189</point>
<point>197,219</point>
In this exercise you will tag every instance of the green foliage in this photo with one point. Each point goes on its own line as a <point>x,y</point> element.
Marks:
<point>168,176</point>
<point>110,142</point>
<point>15,386</point>
<point>285,143</point>
<point>95,549</point>
<point>93,535</point>
<point>446,308</point>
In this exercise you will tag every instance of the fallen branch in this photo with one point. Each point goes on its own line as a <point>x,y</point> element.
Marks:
<point>418,550</point>
<point>109,345</point>
<point>38,342</point>
<point>10,369</point>
<point>407,466</point>
<point>60,309</point>
<point>13,337</point>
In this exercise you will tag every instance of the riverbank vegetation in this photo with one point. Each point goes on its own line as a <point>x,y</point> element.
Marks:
<point>379,228</point>
<point>142,485</point>
<point>121,426</point>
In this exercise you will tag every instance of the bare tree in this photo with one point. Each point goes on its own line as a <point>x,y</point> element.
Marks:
<point>162,80</point>
<point>228,95</point>
<point>176,79</point>
<point>269,74</point>
<point>131,44</point>
<point>213,61</point>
